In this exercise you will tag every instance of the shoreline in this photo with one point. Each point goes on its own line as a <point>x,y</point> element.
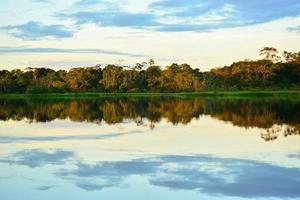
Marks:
<point>256,94</point>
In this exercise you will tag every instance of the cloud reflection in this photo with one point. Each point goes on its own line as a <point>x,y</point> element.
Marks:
<point>37,158</point>
<point>13,139</point>
<point>43,188</point>
<point>92,186</point>
<point>294,155</point>
<point>205,174</point>
<point>201,173</point>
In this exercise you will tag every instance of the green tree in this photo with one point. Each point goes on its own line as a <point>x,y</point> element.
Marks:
<point>112,78</point>
<point>270,53</point>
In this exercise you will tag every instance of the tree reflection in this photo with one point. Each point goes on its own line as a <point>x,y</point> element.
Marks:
<point>275,116</point>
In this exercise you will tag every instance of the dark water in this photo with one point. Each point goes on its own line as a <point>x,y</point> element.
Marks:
<point>150,148</point>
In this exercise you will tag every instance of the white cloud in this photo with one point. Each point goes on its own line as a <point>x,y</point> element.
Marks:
<point>199,44</point>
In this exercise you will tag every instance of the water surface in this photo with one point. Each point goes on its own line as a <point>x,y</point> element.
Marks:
<point>150,148</point>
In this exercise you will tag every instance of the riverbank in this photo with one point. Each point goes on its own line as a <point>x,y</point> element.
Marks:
<point>257,94</point>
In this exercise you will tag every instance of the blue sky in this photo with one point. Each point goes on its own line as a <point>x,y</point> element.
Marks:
<point>62,34</point>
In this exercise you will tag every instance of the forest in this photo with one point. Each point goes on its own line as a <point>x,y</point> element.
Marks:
<point>271,72</point>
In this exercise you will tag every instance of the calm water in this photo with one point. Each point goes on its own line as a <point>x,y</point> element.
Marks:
<point>150,148</point>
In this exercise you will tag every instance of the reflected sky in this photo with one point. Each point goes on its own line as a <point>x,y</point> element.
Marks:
<point>295,155</point>
<point>202,174</point>
<point>215,176</point>
<point>9,139</point>
<point>36,158</point>
<point>209,152</point>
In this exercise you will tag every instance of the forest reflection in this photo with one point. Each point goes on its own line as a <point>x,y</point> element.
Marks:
<point>275,116</point>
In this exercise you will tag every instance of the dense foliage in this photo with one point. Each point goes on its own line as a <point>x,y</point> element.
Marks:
<point>271,72</point>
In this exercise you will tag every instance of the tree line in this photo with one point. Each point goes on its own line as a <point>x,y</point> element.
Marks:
<point>271,72</point>
<point>274,116</point>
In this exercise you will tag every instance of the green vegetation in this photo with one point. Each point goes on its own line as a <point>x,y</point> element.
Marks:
<point>274,115</point>
<point>270,73</point>
<point>86,95</point>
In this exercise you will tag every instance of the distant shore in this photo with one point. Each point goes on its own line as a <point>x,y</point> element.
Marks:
<point>256,94</point>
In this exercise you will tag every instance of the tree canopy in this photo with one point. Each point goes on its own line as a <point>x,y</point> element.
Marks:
<point>272,71</point>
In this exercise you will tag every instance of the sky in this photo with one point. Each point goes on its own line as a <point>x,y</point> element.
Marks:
<point>62,34</point>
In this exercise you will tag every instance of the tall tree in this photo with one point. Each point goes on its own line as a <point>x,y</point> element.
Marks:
<point>270,53</point>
